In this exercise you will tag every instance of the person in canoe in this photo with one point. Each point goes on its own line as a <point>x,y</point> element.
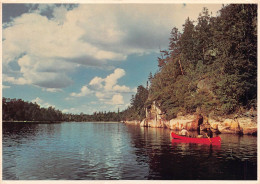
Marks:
<point>200,121</point>
<point>208,133</point>
<point>184,132</point>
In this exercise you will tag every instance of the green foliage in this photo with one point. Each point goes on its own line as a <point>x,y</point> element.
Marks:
<point>137,109</point>
<point>18,110</point>
<point>218,60</point>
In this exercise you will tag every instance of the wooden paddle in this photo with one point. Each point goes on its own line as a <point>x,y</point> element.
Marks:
<point>209,138</point>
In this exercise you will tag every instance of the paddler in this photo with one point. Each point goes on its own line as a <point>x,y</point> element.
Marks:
<point>200,121</point>
<point>184,132</point>
<point>209,133</point>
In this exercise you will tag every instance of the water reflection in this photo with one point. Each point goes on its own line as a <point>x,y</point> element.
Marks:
<point>91,151</point>
<point>189,161</point>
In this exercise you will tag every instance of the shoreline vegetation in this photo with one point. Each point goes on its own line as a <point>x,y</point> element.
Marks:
<point>50,122</point>
<point>209,69</point>
<point>17,110</point>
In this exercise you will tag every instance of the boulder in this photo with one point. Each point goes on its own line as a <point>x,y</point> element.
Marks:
<point>250,131</point>
<point>249,125</point>
<point>234,125</point>
<point>155,123</point>
<point>193,125</point>
<point>214,126</point>
<point>227,122</point>
<point>230,126</point>
<point>178,124</point>
<point>227,130</point>
<point>144,123</point>
<point>174,124</point>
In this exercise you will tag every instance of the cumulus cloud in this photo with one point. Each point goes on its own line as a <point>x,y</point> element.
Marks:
<point>111,79</point>
<point>47,51</point>
<point>48,48</point>
<point>40,102</point>
<point>107,90</point>
<point>117,99</point>
<point>109,83</point>
<point>83,92</point>
<point>96,83</point>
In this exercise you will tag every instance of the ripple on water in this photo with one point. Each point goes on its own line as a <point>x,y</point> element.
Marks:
<point>92,151</point>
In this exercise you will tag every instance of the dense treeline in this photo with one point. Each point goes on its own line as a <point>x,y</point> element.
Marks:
<point>19,110</point>
<point>136,110</point>
<point>96,116</point>
<point>211,66</point>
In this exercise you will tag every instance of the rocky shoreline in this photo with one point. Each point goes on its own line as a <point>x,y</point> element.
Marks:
<point>243,125</point>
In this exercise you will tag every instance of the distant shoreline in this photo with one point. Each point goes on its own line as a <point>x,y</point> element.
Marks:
<point>3,121</point>
<point>50,122</point>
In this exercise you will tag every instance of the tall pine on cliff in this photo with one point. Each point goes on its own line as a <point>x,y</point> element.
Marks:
<point>211,65</point>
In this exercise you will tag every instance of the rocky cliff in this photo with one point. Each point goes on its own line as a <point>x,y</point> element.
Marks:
<point>238,125</point>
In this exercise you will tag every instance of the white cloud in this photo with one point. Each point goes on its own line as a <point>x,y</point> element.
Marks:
<point>5,87</point>
<point>83,92</point>
<point>81,108</point>
<point>47,50</point>
<point>53,90</point>
<point>100,95</point>
<point>96,83</point>
<point>70,110</point>
<point>124,89</point>
<point>107,90</point>
<point>60,14</point>
<point>13,80</point>
<point>117,99</point>
<point>40,102</point>
<point>109,83</point>
<point>111,79</point>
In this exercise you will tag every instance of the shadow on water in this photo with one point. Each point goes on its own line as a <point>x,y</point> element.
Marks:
<point>28,131</point>
<point>235,159</point>
<point>100,151</point>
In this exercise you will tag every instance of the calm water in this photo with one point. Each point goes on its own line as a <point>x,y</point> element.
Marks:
<point>101,151</point>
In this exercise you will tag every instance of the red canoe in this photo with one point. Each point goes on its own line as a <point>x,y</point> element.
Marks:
<point>214,140</point>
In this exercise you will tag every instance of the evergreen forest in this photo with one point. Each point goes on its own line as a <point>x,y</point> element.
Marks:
<point>210,66</point>
<point>19,110</point>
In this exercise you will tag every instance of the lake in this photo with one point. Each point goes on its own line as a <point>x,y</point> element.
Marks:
<point>116,151</point>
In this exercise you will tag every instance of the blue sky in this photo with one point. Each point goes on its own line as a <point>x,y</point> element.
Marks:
<point>85,57</point>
